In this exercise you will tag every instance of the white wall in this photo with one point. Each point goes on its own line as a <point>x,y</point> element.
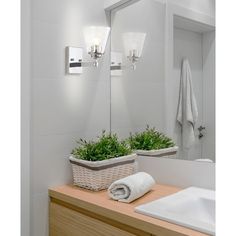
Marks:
<point>25,115</point>
<point>208,43</point>
<point>64,108</point>
<point>180,173</point>
<point>203,6</point>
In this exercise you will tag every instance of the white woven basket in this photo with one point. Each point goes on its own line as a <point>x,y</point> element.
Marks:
<point>98,175</point>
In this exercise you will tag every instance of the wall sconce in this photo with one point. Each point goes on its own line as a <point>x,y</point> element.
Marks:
<point>96,40</point>
<point>133,47</point>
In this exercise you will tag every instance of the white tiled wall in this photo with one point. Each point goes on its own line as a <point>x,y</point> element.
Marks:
<point>180,173</point>
<point>64,107</point>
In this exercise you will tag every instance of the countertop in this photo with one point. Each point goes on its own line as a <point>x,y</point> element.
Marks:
<point>101,204</point>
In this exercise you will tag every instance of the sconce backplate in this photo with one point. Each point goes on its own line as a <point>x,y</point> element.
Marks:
<point>74,58</point>
<point>116,64</point>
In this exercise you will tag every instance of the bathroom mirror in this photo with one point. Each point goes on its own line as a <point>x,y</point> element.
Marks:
<point>146,70</point>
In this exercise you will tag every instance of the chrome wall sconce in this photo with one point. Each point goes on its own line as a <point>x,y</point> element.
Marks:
<point>133,46</point>
<point>96,40</point>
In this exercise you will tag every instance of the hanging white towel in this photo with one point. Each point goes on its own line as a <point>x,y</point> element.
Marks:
<point>132,187</point>
<point>187,109</point>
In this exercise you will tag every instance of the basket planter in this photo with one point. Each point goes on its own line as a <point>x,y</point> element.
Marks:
<point>98,175</point>
<point>159,152</point>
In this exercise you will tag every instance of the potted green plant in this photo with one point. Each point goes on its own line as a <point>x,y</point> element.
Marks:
<point>152,143</point>
<point>96,164</point>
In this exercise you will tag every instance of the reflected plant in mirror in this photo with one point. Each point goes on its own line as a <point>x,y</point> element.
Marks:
<point>150,139</point>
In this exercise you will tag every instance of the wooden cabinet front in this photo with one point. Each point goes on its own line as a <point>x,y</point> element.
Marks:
<point>68,222</point>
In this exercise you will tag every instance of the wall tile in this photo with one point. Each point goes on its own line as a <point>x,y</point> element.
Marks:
<point>75,12</point>
<point>180,173</point>
<point>39,226</point>
<point>69,105</point>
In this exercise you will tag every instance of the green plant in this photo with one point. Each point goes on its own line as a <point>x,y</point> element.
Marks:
<point>149,139</point>
<point>106,147</point>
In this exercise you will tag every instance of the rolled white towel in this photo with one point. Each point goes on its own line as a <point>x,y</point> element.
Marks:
<point>132,187</point>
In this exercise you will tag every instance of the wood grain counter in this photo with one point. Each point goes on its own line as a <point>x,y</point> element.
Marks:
<point>78,212</point>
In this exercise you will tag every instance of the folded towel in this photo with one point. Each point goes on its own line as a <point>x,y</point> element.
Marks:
<point>132,187</point>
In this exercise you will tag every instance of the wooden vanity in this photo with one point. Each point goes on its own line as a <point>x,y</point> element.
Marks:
<point>78,212</point>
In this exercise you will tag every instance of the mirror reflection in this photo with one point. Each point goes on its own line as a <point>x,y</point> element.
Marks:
<point>163,76</point>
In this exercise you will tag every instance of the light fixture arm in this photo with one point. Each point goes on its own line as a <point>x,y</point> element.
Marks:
<point>75,61</point>
<point>132,58</point>
<point>90,63</point>
<point>123,67</point>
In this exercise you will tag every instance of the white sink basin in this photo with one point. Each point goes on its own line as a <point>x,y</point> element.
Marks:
<point>192,207</point>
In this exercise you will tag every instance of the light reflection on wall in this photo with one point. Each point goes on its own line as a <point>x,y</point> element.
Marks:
<point>74,92</point>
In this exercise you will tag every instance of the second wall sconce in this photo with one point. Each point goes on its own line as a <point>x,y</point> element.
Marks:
<point>133,46</point>
<point>96,40</point>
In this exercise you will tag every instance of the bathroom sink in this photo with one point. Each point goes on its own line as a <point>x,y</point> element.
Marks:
<point>192,207</point>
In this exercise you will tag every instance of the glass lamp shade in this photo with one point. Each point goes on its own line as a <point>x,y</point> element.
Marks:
<point>96,36</point>
<point>133,43</point>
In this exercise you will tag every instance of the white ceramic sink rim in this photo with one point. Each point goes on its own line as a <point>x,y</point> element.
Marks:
<point>192,207</point>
